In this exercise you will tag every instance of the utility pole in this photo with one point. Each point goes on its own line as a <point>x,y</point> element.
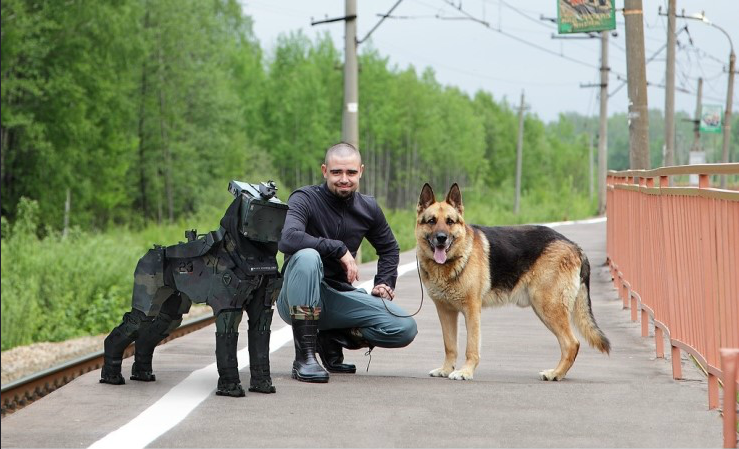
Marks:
<point>694,155</point>
<point>729,91</point>
<point>603,131</point>
<point>519,156</point>
<point>727,114</point>
<point>697,121</point>
<point>350,115</point>
<point>591,188</point>
<point>637,85</point>
<point>350,110</point>
<point>67,207</point>
<point>670,87</point>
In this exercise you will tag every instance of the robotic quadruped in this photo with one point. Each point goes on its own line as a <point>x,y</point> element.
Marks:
<point>232,269</point>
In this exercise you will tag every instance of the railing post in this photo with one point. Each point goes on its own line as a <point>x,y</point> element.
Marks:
<point>634,316</point>
<point>644,323</point>
<point>703,181</point>
<point>729,361</point>
<point>677,368</point>
<point>637,283</point>
<point>659,342</point>
<point>708,293</point>
<point>677,371</point>
<point>648,285</point>
<point>659,337</point>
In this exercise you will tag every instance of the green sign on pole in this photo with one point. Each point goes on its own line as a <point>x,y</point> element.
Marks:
<point>711,117</point>
<point>582,16</point>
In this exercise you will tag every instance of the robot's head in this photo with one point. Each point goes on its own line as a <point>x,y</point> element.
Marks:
<point>262,214</point>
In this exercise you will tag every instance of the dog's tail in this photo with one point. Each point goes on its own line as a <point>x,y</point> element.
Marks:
<point>583,313</point>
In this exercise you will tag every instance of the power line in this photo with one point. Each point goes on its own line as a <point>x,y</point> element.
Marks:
<point>518,39</point>
<point>526,16</point>
<point>650,59</point>
<point>478,75</point>
<point>385,16</point>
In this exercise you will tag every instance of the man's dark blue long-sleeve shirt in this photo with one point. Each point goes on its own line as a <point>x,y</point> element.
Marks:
<point>332,226</point>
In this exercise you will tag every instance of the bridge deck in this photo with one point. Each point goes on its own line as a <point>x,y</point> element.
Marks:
<point>626,400</point>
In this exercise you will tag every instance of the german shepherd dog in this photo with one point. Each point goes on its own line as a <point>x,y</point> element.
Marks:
<point>467,267</point>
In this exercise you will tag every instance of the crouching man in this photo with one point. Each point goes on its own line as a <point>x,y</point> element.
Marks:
<point>324,227</point>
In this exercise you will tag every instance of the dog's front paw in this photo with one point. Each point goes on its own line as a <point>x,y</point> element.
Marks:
<point>549,375</point>
<point>440,372</point>
<point>461,374</point>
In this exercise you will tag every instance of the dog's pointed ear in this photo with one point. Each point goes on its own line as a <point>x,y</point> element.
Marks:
<point>454,198</point>
<point>426,199</point>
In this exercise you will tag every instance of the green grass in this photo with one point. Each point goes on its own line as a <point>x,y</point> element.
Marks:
<point>58,288</point>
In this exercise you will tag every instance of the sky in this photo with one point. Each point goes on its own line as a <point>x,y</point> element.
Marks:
<point>471,56</point>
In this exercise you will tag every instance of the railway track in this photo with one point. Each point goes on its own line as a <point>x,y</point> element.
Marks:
<point>19,393</point>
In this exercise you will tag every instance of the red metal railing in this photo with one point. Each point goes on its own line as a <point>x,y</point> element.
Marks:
<point>674,257</point>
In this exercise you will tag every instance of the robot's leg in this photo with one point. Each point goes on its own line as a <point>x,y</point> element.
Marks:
<point>260,320</point>
<point>116,343</point>
<point>152,332</point>
<point>227,338</point>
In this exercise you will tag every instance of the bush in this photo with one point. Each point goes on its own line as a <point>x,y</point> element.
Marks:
<point>58,288</point>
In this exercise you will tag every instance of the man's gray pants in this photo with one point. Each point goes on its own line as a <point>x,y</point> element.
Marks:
<point>303,285</point>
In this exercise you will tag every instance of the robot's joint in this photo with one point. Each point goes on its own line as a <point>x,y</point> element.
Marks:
<point>265,321</point>
<point>228,320</point>
<point>131,322</point>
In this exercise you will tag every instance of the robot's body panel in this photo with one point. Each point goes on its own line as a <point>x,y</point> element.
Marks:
<point>214,279</point>
<point>231,269</point>
<point>149,289</point>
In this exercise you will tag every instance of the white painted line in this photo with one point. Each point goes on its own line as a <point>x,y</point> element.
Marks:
<point>184,397</point>
<point>178,402</point>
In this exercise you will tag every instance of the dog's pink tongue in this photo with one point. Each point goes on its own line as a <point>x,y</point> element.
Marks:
<point>439,255</point>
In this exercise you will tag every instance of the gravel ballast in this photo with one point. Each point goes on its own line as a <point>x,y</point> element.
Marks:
<point>23,361</point>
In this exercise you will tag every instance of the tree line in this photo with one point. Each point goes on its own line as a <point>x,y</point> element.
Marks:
<point>140,111</point>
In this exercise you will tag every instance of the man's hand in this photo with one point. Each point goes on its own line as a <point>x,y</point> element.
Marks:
<point>350,266</point>
<point>383,291</point>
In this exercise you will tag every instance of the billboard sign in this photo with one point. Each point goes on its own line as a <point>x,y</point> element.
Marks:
<point>582,16</point>
<point>711,115</point>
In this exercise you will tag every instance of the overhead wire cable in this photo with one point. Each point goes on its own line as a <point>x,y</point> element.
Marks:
<point>650,59</point>
<point>380,22</point>
<point>518,39</point>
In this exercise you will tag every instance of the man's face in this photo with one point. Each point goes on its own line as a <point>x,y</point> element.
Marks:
<point>342,174</point>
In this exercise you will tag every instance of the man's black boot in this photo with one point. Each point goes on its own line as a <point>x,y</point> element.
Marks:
<point>305,367</point>
<point>330,345</point>
<point>229,383</point>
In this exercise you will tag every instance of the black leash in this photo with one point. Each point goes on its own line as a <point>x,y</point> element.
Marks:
<point>418,270</point>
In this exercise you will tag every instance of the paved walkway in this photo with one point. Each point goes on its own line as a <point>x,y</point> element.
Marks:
<point>626,400</point>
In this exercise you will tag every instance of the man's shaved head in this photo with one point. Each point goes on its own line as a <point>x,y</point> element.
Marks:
<point>342,150</point>
<point>343,169</point>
